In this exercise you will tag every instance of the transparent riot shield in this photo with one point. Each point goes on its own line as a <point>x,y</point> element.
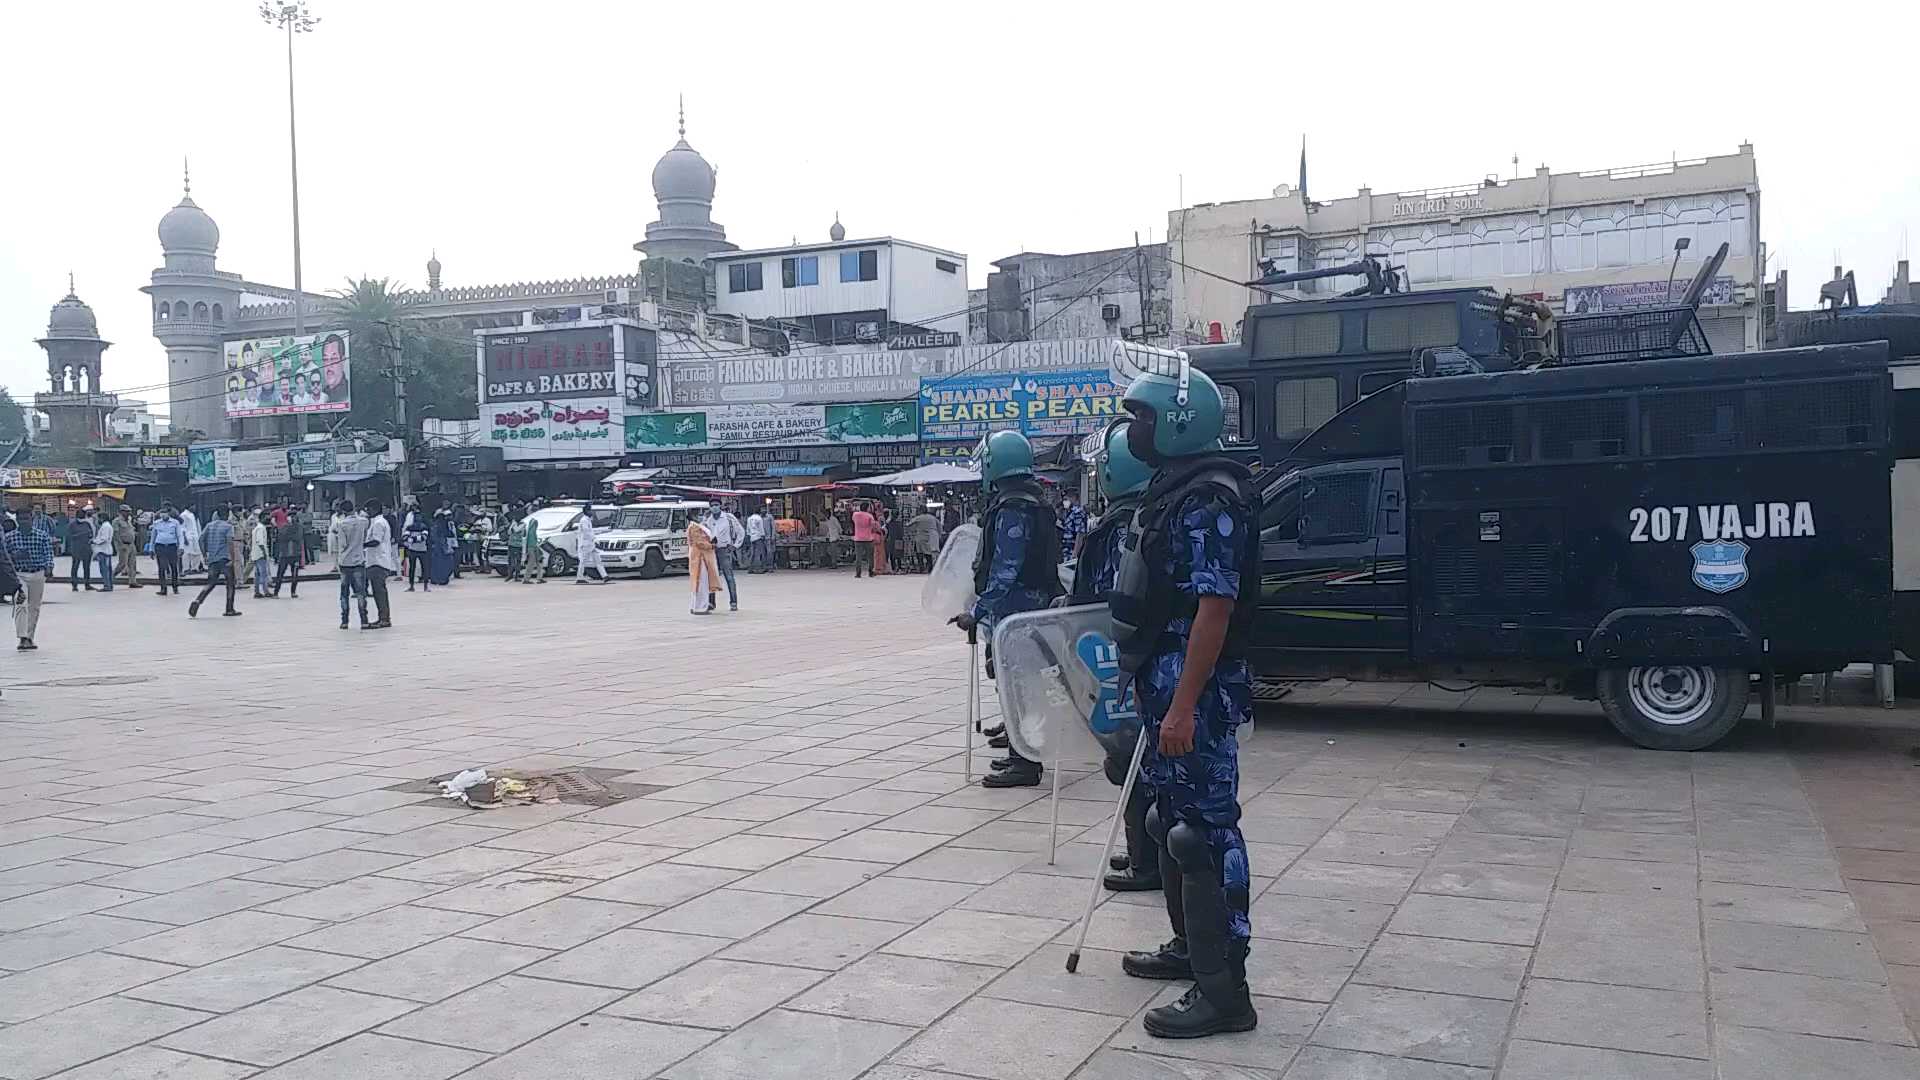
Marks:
<point>949,587</point>
<point>1057,673</point>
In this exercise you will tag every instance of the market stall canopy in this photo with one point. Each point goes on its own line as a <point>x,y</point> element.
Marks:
<point>937,473</point>
<point>632,476</point>
<point>743,493</point>
<point>346,477</point>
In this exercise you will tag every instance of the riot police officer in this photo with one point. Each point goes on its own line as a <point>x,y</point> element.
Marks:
<point>1182,602</point>
<point>1018,568</point>
<point>1123,478</point>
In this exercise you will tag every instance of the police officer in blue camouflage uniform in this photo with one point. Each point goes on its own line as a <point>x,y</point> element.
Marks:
<point>1182,601</point>
<point>1123,479</point>
<point>1018,568</point>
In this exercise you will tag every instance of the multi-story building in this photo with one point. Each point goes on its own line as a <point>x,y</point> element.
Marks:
<point>1582,241</point>
<point>845,291</point>
<point>1036,296</point>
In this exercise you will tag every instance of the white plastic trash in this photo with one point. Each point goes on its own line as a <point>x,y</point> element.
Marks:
<point>456,787</point>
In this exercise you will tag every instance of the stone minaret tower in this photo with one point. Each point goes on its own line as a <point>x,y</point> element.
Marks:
<point>76,409</point>
<point>192,303</point>
<point>683,189</point>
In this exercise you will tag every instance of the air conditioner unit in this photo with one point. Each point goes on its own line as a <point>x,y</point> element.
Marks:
<point>1110,312</point>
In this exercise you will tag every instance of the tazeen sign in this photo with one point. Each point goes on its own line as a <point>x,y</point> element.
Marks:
<point>551,365</point>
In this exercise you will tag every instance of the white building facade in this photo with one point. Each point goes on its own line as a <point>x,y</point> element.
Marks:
<point>846,291</point>
<point>1587,241</point>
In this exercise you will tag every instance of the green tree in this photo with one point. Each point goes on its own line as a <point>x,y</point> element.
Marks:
<point>437,362</point>
<point>13,422</point>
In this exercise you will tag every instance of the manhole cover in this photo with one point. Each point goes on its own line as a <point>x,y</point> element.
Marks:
<point>92,680</point>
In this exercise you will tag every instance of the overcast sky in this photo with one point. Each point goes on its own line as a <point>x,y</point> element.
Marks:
<point>517,138</point>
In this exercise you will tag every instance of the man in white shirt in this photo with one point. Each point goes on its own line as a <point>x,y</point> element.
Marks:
<point>728,535</point>
<point>586,553</point>
<point>382,562</point>
<point>759,542</point>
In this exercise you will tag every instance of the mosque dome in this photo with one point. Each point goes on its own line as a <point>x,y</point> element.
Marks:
<point>682,173</point>
<point>72,318</point>
<point>838,232</point>
<point>187,228</point>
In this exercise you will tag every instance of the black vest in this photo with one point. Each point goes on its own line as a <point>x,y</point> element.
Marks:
<point>1097,552</point>
<point>1144,600</point>
<point>1041,568</point>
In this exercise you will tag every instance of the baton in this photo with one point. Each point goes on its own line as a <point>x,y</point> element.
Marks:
<point>1113,832</point>
<point>972,723</point>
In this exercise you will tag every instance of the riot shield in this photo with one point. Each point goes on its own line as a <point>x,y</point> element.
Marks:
<point>1057,673</point>
<point>949,587</point>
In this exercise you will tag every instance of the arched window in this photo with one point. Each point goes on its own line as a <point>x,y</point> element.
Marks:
<point>161,312</point>
<point>200,312</point>
<point>218,316</point>
<point>180,309</point>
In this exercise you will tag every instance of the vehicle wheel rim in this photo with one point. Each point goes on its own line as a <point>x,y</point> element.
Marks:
<point>1671,696</point>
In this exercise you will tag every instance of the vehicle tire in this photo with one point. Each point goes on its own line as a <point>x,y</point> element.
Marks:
<point>558,564</point>
<point>654,565</point>
<point>1674,707</point>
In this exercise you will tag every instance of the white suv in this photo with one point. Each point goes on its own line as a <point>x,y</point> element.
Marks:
<point>647,537</point>
<point>559,535</point>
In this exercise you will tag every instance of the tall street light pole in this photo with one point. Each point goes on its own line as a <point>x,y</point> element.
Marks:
<point>293,17</point>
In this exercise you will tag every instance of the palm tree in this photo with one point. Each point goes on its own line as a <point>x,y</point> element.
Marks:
<point>438,359</point>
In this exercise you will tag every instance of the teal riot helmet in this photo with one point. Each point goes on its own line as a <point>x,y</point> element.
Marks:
<point>1121,472</point>
<point>1173,414</point>
<point>1005,454</point>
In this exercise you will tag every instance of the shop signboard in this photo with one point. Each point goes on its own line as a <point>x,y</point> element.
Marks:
<point>745,426</point>
<point>640,359</point>
<point>948,453</point>
<point>210,465</point>
<point>283,376</point>
<point>849,374</point>
<point>305,461</point>
<point>37,476</point>
<point>155,456</point>
<point>549,365</point>
<point>588,428</point>
<point>260,468</point>
<point>1624,296</point>
<point>1040,404</point>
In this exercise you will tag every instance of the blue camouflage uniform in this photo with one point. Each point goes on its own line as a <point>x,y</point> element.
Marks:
<point>1093,589</point>
<point>1202,788</point>
<point>1014,526</point>
<point>1073,525</point>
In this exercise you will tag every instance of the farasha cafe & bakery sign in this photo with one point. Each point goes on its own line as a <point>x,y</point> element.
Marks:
<point>550,365</point>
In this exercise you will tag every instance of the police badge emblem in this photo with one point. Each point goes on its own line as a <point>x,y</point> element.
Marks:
<point>1719,566</point>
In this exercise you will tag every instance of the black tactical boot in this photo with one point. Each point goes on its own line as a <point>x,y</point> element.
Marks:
<point>995,731</point>
<point>1021,773</point>
<point>1140,870</point>
<point>998,742</point>
<point>1219,1000</point>
<point>1169,961</point>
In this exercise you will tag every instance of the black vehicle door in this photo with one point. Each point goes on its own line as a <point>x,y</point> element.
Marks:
<point>1318,548</point>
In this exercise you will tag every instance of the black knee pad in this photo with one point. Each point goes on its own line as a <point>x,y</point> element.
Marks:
<point>1189,848</point>
<point>1155,827</point>
<point>1116,767</point>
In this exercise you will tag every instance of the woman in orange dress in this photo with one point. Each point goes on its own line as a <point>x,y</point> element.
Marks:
<point>881,518</point>
<point>702,568</point>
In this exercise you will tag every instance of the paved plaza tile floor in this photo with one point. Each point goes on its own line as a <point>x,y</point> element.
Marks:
<point>217,862</point>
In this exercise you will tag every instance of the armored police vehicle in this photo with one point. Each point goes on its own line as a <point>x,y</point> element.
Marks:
<point>1599,505</point>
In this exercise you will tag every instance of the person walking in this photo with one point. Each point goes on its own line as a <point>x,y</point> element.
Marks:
<point>166,548</point>
<point>347,539</point>
<point>287,549</point>
<point>923,539</point>
<point>79,539</point>
<point>533,561</point>
<point>586,552</point>
<point>260,557</point>
<point>865,538</point>
<point>414,538</point>
<point>728,536</point>
<point>126,547</point>
<point>757,524</point>
<point>103,548</point>
<point>510,534</point>
<point>701,568</point>
<point>193,559</point>
<point>30,547</point>
<point>381,563</point>
<point>217,543</point>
